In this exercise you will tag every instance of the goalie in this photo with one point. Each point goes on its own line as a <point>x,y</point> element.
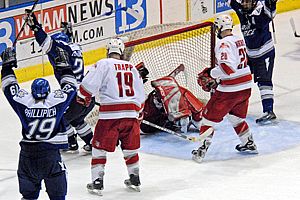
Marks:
<point>171,106</point>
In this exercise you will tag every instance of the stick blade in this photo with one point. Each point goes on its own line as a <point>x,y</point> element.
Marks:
<point>292,22</point>
<point>176,71</point>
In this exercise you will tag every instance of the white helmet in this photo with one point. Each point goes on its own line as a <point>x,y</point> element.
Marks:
<point>115,46</point>
<point>224,22</point>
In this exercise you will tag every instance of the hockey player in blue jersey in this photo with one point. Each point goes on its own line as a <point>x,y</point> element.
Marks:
<point>255,17</point>
<point>76,112</point>
<point>43,129</point>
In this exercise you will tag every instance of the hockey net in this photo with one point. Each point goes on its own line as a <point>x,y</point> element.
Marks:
<point>162,48</point>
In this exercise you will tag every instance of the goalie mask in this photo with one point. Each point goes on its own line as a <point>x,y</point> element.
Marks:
<point>248,5</point>
<point>222,23</point>
<point>115,46</point>
<point>40,88</point>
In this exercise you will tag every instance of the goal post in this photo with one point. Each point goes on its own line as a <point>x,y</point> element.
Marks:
<point>161,52</point>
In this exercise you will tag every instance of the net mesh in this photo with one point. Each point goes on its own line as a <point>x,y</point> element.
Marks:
<point>176,44</point>
<point>162,48</point>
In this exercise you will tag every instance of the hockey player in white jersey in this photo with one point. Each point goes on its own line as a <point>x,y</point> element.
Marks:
<point>121,93</point>
<point>231,78</point>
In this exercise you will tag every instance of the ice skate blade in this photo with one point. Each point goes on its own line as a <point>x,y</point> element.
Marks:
<point>197,159</point>
<point>132,187</point>
<point>268,123</point>
<point>248,152</point>
<point>95,192</point>
<point>70,151</point>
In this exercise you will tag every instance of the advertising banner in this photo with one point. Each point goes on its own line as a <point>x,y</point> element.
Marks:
<point>222,5</point>
<point>93,22</point>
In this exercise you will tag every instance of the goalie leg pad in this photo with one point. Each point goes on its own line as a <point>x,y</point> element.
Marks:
<point>172,98</point>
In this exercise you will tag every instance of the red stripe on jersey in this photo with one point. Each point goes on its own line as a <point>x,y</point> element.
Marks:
<point>228,70</point>
<point>97,161</point>
<point>203,129</point>
<point>238,80</point>
<point>119,107</point>
<point>241,128</point>
<point>132,160</point>
<point>84,92</point>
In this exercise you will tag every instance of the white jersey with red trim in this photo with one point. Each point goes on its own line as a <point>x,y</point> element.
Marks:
<point>231,67</point>
<point>119,86</point>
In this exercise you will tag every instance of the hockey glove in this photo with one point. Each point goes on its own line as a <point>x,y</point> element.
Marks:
<point>61,59</point>
<point>31,20</point>
<point>143,71</point>
<point>67,29</point>
<point>206,81</point>
<point>83,97</point>
<point>9,59</point>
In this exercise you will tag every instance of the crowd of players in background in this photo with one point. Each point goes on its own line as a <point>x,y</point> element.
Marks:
<point>47,118</point>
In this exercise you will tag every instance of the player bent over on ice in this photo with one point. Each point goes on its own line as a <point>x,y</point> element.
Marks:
<point>43,130</point>
<point>171,106</point>
<point>121,93</point>
<point>232,94</point>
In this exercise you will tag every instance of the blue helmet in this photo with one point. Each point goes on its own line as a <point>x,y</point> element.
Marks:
<point>40,88</point>
<point>61,37</point>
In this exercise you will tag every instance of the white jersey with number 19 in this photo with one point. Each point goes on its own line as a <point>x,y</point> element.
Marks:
<point>119,86</point>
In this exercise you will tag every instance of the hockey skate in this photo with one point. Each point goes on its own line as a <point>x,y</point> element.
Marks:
<point>199,154</point>
<point>87,148</point>
<point>249,147</point>
<point>95,187</point>
<point>73,148</point>
<point>133,183</point>
<point>267,118</point>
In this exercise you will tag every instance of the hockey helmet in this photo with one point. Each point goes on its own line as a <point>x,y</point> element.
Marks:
<point>115,46</point>
<point>222,23</point>
<point>248,5</point>
<point>61,37</point>
<point>40,88</point>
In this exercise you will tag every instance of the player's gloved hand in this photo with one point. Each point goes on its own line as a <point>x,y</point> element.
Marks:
<point>83,97</point>
<point>84,101</point>
<point>61,59</point>
<point>206,81</point>
<point>67,28</point>
<point>31,20</point>
<point>9,59</point>
<point>143,71</point>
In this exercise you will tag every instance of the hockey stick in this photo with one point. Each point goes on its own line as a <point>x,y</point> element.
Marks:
<point>191,139</point>
<point>294,27</point>
<point>24,24</point>
<point>273,26</point>
<point>176,71</point>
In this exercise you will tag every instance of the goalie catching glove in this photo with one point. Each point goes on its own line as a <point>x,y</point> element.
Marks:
<point>206,81</point>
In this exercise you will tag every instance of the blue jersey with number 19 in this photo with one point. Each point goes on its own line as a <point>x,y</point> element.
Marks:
<point>42,121</point>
